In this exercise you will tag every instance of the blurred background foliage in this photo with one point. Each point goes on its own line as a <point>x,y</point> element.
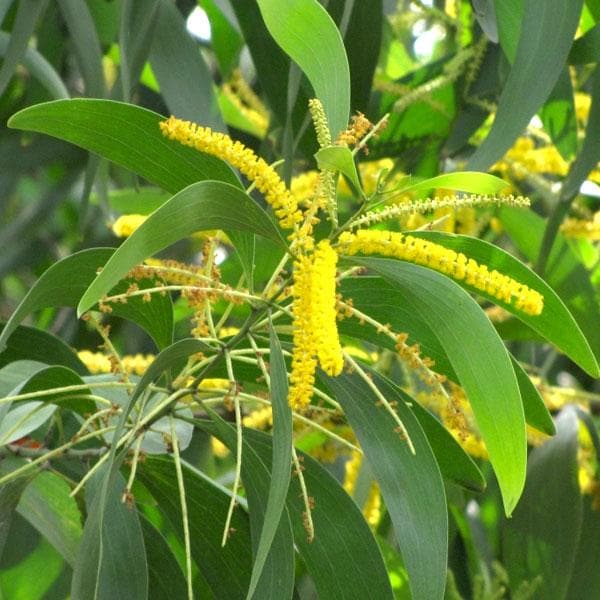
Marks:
<point>466,90</point>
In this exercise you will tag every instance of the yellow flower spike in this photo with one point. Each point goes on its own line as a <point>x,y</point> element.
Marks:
<point>317,112</point>
<point>264,176</point>
<point>304,362</point>
<point>583,229</point>
<point>329,349</point>
<point>455,265</point>
<point>125,225</point>
<point>96,362</point>
<point>259,419</point>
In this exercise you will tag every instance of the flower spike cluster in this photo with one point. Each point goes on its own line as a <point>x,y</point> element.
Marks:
<point>444,260</point>
<point>237,155</point>
<point>314,329</point>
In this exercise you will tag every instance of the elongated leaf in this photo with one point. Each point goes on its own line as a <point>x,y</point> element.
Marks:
<point>479,359</point>
<point>411,484</point>
<point>28,13</point>
<point>127,135</point>
<point>281,463</point>
<point>556,323</point>
<point>47,506</point>
<point>111,562</point>
<point>309,36</point>
<point>185,81</point>
<point>39,68</point>
<point>339,158</point>
<point>226,569</point>
<point>535,60</point>
<point>509,16</point>
<point>86,45</point>
<point>66,281</point>
<point>542,537</point>
<point>141,201</point>
<point>564,273</point>
<point>23,419</point>
<point>203,205</point>
<point>27,343</point>
<point>586,49</point>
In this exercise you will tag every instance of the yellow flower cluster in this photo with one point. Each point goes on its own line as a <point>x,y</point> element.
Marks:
<point>259,120</point>
<point>579,228</point>
<point>314,322</point>
<point>304,186</point>
<point>583,103</point>
<point>259,419</point>
<point>96,362</point>
<point>125,225</point>
<point>236,154</point>
<point>448,262</point>
<point>359,127</point>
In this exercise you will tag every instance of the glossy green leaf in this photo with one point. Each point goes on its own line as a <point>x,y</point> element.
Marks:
<point>555,323</point>
<point>47,506</point>
<point>542,537</point>
<point>203,205</point>
<point>127,135</point>
<point>39,68</point>
<point>564,273</point>
<point>339,158</point>
<point>226,569</point>
<point>281,462</point>
<point>185,80</point>
<point>479,359</point>
<point>27,343</point>
<point>66,281</point>
<point>536,60</point>
<point>111,562</point>
<point>309,36</point>
<point>411,485</point>
<point>28,13</point>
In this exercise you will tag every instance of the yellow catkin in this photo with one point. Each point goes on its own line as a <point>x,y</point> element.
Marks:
<point>264,176</point>
<point>329,350</point>
<point>446,261</point>
<point>304,362</point>
<point>259,419</point>
<point>125,225</point>
<point>259,120</point>
<point>219,449</point>
<point>582,229</point>
<point>372,506</point>
<point>583,103</point>
<point>96,362</point>
<point>304,186</point>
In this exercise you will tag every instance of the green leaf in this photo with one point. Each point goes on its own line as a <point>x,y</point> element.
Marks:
<point>225,38</point>
<point>38,67</point>
<point>281,463</point>
<point>47,506</point>
<point>479,359</point>
<point>541,539</point>
<point>309,36</point>
<point>454,463</point>
<point>23,419</point>
<point>411,485</point>
<point>509,15</point>
<point>558,116</point>
<point>86,45</point>
<point>536,60</point>
<point>27,343</point>
<point>66,281</point>
<point>139,201</point>
<point>226,569</point>
<point>586,49</point>
<point>185,81</point>
<point>127,135</point>
<point>28,13</point>
<point>203,205</point>
<point>111,562</point>
<point>564,273</point>
<point>339,158</point>
<point>555,323</point>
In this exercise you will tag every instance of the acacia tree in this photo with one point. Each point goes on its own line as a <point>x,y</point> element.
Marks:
<point>321,330</point>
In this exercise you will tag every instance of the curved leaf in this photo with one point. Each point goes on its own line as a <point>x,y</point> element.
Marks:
<point>555,323</point>
<point>200,206</point>
<point>65,282</point>
<point>411,484</point>
<point>537,61</point>
<point>127,135</point>
<point>479,359</point>
<point>309,36</point>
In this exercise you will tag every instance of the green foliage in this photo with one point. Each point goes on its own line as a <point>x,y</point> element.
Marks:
<point>311,369</point>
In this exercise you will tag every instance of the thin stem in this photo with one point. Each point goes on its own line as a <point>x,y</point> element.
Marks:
<point>134,463</point>
<point>67,388</point>
<point>184,510</point>
<point>309,526</point>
